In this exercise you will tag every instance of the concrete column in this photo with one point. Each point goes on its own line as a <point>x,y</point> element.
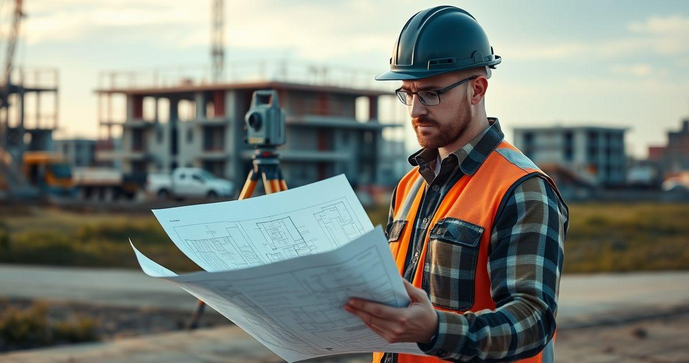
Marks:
<point>200,100</point>
<point>130,107</point>
<point>174,111</point>
<point>156,116</point>
<point>372,108</point>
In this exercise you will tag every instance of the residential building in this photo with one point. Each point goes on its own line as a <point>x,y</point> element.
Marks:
<point>593,153</point>
<point>673,158</point>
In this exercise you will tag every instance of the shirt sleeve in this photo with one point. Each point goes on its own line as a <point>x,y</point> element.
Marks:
<point>525,264</point>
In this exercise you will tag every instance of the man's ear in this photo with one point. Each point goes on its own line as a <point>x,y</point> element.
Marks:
<point>478,89</point>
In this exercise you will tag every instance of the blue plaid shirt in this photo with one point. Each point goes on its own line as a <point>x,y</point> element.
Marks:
<point>525,260</point>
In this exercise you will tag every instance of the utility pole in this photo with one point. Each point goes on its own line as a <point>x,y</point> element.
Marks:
<point>218,40</point>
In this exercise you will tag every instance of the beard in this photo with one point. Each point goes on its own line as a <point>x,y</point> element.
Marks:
<point>441,135</point>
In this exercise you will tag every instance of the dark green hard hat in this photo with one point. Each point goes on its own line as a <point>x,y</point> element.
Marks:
<point>439,40</point>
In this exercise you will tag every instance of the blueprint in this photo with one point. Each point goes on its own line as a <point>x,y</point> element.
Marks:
<point>282,267</point>
<point>238,234</point>
<point>295,307</point>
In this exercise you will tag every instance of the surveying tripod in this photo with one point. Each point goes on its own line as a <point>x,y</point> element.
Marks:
<point>266,166</point>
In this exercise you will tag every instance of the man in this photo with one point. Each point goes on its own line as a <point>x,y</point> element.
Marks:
<point>476,229</point>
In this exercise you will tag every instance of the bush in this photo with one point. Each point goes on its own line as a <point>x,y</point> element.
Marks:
<point>24,329</point>
<point>32,328</point>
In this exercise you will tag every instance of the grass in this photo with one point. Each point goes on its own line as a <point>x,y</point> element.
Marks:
<point>601,238</point>
<point>87,240</point>
<point>32,328</point>
<point>627,237</point>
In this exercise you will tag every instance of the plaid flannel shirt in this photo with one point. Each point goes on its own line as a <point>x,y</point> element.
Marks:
<point>525,261</point>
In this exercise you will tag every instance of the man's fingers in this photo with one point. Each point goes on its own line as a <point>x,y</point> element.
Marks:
<point>385,329</point>
<point>379,310</point>
<point>414,292</point>
<point>371,320</point>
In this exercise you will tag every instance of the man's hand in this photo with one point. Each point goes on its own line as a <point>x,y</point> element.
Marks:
<point>415,323</point>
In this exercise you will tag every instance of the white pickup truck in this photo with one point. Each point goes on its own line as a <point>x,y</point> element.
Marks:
<point>188,183</point>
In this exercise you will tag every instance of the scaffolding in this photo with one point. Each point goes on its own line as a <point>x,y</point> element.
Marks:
<point>27,122</point>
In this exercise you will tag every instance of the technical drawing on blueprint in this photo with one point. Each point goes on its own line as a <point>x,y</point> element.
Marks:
<point>294,307</point>
<point>338,223</point>
<point>282,266</point>
<point>239,234</point>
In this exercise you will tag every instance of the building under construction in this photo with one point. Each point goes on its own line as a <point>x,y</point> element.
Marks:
<point>331,127</point>
<point>28,110</point>
<point>27,121</point>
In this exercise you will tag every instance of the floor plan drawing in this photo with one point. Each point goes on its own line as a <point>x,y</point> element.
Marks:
<point>284,239</point>
<point>338,223</point>
<point>224,246</point>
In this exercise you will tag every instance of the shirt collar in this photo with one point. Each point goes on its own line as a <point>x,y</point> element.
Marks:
<point>471,156</point>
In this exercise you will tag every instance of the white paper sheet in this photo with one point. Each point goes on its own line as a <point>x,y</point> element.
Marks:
<point>328,252</point>
<point>237,234</point>
<point>150,267</point>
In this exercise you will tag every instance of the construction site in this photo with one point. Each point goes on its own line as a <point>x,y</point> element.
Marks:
<point>72,207</point>
<point>156,121</point>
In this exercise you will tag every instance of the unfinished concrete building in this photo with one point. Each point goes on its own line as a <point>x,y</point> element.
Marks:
<point>201,124</point>
<point>27,123</point>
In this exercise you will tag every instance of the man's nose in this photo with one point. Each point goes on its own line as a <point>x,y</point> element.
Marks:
<point>417,108</point>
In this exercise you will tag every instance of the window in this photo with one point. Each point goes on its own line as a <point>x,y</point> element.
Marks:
<point>569,146</point>
<point>190,135</point>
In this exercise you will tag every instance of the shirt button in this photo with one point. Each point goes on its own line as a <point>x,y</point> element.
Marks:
<point>435,188</point>
<point>416,255</point>
<point>425,220</point>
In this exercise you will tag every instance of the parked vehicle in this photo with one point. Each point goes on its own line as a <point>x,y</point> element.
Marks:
<point>107,183</point>
<point>189,183</point>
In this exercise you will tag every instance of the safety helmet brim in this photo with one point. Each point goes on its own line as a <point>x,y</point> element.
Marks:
<point>403,76</point>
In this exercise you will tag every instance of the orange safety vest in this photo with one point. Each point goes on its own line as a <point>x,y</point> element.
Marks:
<point>474,199</point>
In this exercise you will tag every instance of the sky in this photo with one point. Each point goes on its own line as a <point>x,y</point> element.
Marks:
<point>601,63</point>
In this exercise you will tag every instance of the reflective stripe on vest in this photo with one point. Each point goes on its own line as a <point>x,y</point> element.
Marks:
<point>465,216</point>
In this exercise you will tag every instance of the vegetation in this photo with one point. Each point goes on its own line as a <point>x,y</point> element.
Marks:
<point>95,240</point>
<point>627,237</point>
<point>32,328</point>
<point>601,238</point>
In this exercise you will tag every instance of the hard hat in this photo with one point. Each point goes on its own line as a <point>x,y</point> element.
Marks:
<point>439,40</point>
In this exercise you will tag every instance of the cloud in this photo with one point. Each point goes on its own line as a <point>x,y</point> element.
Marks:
<point>308,30</point>
<point>105,19</point>
<point>638,70</point>
<point>666,36</point>
<point>675,25</point>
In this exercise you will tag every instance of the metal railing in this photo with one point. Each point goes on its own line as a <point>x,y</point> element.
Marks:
<point>43,78</point>
<point>240,72</point>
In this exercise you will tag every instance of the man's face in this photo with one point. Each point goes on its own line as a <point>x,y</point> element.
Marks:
<point>439,125</point>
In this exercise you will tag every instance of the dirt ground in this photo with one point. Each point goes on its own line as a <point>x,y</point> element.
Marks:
<point>658,340</point>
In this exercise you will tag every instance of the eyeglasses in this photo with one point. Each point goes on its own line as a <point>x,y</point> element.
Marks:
<point>427,97</point>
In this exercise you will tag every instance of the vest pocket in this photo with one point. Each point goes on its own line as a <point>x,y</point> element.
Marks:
<point>450,266</point>
<point>394,230</point>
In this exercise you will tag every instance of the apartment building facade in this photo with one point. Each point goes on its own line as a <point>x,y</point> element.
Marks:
<point>594,153</point>
<point>673,158</point>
